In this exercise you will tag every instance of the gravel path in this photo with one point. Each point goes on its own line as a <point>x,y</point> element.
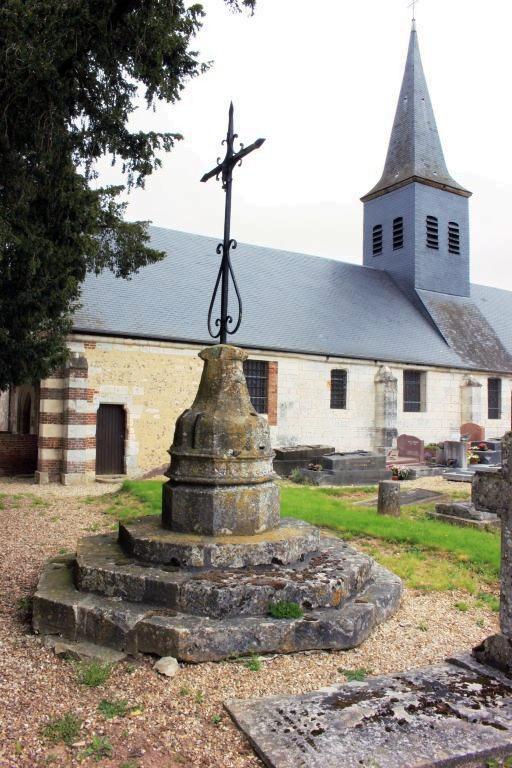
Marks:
<point>174,721</point>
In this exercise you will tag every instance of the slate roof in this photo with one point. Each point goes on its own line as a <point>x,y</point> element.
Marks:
<point>299,303</point>
<point>415,151</point>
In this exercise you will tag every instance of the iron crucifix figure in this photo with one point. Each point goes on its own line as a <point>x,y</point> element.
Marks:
<point>225,168</point>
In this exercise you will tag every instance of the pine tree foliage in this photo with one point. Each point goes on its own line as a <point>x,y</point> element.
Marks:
<point>70,73</point>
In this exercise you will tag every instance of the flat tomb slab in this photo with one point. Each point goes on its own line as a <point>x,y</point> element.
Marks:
<point>436,716</point>
<point>486,525</point>
<point>325,578</point>
<point>416,496</point>
<point>145,539</point>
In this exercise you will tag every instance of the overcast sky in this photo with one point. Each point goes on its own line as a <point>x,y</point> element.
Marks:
<point>320,81</point>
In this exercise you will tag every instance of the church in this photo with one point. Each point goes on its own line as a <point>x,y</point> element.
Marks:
<point>339,354</point>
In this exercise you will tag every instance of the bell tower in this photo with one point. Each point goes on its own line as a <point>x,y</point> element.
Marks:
<point>416,219</point>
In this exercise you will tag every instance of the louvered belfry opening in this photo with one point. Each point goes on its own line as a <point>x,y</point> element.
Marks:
<point>432,232</point>
<point>110,440</point>
<point>377,239</point>
<point>453,237</point>
<point>398,233</point>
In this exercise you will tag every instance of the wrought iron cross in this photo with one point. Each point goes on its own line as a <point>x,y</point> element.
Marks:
<point>225,168</point>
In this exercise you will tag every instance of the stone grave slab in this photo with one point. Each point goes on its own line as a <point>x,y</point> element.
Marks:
<point>416,496</point>
<point>443,715</point>
<point>465,513</point>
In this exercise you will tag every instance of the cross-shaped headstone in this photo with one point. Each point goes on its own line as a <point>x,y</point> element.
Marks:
<point>224,168</point>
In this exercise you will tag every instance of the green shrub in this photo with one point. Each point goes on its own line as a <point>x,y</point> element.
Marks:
<point>253,663</point>
<point>296,476</point>
<point>93,673</point>
<point>65,729</point>
<point>285,610</point>
<point>113,708</point>
<point>98,748</point>
<point>355,674</point>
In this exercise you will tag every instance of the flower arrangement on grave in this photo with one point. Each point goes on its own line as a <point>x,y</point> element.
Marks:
<point>473,458</point>
<point>402,473</point>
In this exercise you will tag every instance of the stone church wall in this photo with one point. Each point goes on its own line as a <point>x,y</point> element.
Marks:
<point>156,381</point>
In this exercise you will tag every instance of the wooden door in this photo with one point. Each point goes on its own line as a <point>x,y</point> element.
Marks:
<point>110,436</point>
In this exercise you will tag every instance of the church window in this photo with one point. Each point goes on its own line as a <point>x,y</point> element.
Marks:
<point>432,232</point>
<point>453,237</point>
<point>377,239</point>
<point>338,389</point>
<point>414,391</point>
<point>256,376</point>
<point>398,233</point>
<point>494,398</point>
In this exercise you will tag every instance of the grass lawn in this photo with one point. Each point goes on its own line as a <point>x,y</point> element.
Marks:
<point>426,553</point>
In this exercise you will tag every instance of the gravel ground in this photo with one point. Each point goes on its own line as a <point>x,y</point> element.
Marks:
<point>173,723</point>
<point>18,485</point>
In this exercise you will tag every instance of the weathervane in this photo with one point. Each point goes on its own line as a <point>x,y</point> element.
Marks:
<point>225,167</point>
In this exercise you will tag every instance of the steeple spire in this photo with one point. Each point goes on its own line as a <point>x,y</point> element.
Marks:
<point>415,152</point>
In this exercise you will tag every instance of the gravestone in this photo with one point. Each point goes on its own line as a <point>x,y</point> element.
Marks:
<point>410,447</point>
<point>473,432</point>
<point>199,582</point>
<point>487,488</point>
<point>497,649</point>
<point>456,453</point>
<point>388,502</point>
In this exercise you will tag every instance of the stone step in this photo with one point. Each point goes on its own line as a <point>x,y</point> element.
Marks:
<point>60,609</point>
<point>146,540</point>
<point>326,578</point>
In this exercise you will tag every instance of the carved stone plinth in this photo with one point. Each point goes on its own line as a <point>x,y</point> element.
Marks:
<point>220,478</point>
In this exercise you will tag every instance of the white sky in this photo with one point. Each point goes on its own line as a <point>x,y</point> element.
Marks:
<point>320,81</point>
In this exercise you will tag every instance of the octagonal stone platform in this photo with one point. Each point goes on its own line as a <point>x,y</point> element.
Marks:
<point>211,609</point>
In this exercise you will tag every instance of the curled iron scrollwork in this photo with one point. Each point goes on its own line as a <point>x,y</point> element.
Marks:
<point>232,244</point>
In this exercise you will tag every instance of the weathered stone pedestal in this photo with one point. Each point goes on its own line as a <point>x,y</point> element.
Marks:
<point>198,583</point>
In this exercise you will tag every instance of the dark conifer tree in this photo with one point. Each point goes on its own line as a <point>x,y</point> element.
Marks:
<point>70,71</point>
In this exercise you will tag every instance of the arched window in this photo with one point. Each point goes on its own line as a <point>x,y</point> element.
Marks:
<point>453,237</point>
<point>398,233</point>
<point>377,239</point>
<point>432,232</point>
